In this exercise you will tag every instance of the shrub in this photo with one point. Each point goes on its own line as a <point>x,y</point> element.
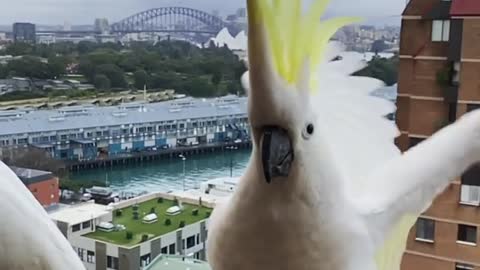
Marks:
<point>168,222</point>
<point>129,235</point>
<point>152,210</point>
<point>144,237</point>
<point>136,216</point>
<point>207,214</point>
<point>195,212</point>
<point>118,213</point>
<point>160,200</point>
<point>135,207</point>
<point>182,224</point>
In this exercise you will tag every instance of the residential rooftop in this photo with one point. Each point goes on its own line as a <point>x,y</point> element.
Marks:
<point>165,262</point>
<point>159,228</point>
<point>88,116</point>
<point>30,176</point>
<point>79,213</point>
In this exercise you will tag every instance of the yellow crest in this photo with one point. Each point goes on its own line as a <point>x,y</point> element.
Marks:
<point>296,36</point>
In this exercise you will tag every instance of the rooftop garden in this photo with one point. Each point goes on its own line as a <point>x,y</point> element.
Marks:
<point>137,231</point>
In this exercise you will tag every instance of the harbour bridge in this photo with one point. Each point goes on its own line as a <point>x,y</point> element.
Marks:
<point>161,20</point>
<point>171,19</point>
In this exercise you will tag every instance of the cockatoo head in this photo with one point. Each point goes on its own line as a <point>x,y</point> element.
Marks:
<point>285,50</point>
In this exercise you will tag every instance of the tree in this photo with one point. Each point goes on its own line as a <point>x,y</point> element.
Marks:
<point>199,87</point>
<point>129,63</point>
<point>217,78</point>
<point>114,74</point>
<point>382,69</point>
<point>19,48</point>
<point>140,78</point>
<point>102,82</point>
<point>84,47</point>
<point>56,66</point>
<point>33,158</point>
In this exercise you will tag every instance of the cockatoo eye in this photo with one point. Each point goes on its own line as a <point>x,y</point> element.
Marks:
<point>308,131</point>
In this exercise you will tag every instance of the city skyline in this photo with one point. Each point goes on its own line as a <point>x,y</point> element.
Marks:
<point>77,12</point>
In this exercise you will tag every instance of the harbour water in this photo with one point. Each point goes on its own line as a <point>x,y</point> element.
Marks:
<point>165,175</point>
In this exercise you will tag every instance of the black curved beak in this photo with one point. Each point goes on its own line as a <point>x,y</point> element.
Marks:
<point>277,153</point>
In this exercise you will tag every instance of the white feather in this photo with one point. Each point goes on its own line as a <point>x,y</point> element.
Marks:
<point>352,120</point>
<point>28,237</point>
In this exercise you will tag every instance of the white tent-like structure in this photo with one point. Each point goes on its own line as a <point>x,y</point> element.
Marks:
<point>224,38</point>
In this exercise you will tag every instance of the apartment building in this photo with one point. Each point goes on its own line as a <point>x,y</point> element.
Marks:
<point>439,81</point>
<point>131,234</point>
<point>43,185</point>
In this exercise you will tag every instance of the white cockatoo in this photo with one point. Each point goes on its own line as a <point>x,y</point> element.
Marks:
<point>29,240</point>
<point>325,188</point>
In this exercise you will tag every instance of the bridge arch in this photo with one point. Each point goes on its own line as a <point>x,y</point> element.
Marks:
<point>151,21</point>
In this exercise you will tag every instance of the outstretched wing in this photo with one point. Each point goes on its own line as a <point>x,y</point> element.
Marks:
<point>28,238</point>
<point>389,189</point>
<point>354,121</point>
<point>356,126</point>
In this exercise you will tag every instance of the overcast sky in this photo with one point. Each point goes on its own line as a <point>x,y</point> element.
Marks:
<point>85,11</point>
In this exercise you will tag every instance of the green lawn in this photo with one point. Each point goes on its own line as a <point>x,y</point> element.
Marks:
<point>152,230</point>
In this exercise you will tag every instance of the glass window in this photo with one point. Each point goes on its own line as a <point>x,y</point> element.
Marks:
<point>145,260</point>
<point>90,256</point>
<point>440,30</point>
<point>467,234</point>
<point>470,195</point>
<point>462,266</point>
<point>171,249</point>
<point>425,229</point>
<point>164,250</point>
<point>76,228</point>
<point>112,262</point>
<point>191,241</point>
<point>86,224</point>
<point>80,253</point>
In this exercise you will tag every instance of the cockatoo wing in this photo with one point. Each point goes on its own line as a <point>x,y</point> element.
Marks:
<point>28,237</point>
<point>352,120</point>
<point>362,139</point>
<point>389,189</point>
<point>400,190</point>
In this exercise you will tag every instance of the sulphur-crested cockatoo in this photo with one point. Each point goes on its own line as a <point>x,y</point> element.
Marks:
<point>29,240</point>
<point>326,188</point>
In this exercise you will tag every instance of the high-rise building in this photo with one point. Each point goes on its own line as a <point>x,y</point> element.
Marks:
<point>439,82</point>
<point>24,32</point>
<point>101,25</point>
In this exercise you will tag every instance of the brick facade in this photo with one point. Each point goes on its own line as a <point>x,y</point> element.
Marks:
<point>46,192</point>
<point>425,104</point>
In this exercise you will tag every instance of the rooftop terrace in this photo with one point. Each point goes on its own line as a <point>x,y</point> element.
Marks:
<point>138,228</point>
<point>164,262</point>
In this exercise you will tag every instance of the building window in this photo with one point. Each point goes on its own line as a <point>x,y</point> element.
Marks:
<point>86,224</point>
<point>191,241</point>
<point>171,249</point>
<point>112,262</point>
<point>90,256</point>
<point>467,234</point>
<point>470,195</point>
<point>145,260</point>
<point>440,30</point>
<point>462,266</point>
<point>425,230</point>
<point>164,250</point>
<point>81,253</point>
<point>198,238</point>
<point>472,107</point>
<point>76,228</point>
